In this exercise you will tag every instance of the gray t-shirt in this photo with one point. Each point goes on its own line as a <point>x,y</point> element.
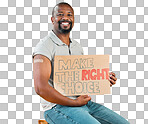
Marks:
<point>51,46</point>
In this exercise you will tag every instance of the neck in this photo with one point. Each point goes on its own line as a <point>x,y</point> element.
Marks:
<point>63,37</point>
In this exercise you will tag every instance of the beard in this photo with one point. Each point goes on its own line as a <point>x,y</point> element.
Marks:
<point>65,31</point>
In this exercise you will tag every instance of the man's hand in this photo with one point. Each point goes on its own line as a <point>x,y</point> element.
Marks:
<point>82,100</point>
<point>112,78</point>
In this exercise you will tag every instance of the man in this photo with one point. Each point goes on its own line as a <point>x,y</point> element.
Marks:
<point>60,109</point>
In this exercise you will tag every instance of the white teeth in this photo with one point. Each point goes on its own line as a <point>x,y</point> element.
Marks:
<point>65,23</point>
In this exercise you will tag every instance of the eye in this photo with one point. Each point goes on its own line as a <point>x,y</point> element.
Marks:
<point>60,14</point>
<point>69,14</point>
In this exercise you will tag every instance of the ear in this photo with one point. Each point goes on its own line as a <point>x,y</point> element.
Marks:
<point>52,20</point>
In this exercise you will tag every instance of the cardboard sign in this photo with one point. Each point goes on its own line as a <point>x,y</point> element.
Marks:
<point>81,74</point>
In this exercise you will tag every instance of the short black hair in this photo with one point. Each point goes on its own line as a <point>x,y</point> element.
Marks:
<point>61,3</point>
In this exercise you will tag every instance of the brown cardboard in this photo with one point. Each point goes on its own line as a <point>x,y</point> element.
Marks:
<point>82,74</point>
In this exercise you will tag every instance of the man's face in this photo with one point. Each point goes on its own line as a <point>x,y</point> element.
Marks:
<point>63,19</point>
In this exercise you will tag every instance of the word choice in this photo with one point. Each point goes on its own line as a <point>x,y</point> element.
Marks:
<point>79,87</point>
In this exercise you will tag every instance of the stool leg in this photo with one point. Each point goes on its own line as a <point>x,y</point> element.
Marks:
<point>42,122</point>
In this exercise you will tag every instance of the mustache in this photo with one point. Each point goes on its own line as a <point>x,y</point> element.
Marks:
<point>64,21</point>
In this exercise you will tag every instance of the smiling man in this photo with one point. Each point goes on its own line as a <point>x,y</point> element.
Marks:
<point>65,25</point>
<point>63,21</point>
<point>60,109</point>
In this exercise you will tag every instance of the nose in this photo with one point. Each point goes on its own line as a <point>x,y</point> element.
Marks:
<point>65,17</point>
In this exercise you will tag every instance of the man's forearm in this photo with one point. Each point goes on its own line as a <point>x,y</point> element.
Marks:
<point>52,95</point>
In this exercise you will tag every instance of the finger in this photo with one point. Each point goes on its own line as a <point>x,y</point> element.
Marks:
<point>114,78</point>
<point>112,81</point>
<point>111,73</point>
<point>85,96</point>
<point>88,99</point>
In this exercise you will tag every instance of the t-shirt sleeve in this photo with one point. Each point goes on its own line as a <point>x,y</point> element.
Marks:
<point>42,49</point>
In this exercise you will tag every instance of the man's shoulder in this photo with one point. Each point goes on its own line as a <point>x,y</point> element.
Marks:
<point>45,41</point>
<point>44,47</point>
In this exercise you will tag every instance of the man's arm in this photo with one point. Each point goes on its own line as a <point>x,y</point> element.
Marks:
<point>41,74</point>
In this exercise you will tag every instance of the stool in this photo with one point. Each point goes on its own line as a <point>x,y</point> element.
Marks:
<point>42,122</point>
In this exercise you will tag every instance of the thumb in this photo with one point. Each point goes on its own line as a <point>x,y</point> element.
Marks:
<point>85,96</point>
<point>88,98</point>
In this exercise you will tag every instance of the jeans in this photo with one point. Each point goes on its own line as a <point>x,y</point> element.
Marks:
<point>91,113</point>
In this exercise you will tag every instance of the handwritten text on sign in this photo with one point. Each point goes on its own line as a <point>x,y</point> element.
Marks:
<point>82,74</point>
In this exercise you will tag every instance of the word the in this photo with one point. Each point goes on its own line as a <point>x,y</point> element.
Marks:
<point>67,76</point>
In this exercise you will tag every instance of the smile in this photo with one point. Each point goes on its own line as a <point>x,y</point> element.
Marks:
<point>65,23</point>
